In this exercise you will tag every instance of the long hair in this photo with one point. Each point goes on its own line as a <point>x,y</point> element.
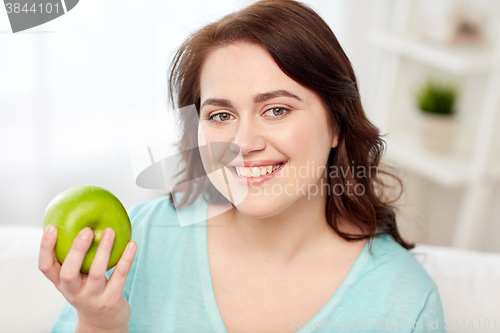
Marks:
<point>306,50</point>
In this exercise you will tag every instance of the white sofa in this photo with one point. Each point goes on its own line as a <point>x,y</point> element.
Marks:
<point>468,281</point>
<point>29,302</point>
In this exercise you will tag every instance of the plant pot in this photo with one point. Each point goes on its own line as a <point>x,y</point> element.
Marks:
<point>436,131</point>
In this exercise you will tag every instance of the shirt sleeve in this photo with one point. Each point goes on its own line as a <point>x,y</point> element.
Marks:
<point>66,322</point>
<point>431,317</point>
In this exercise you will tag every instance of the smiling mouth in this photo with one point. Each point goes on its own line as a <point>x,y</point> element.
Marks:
<point>254,172</point>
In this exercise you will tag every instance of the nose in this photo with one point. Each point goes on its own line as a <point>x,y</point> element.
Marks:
<point>249,137</point>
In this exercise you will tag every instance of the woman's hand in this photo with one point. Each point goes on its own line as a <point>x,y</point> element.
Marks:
<point>97,300</point>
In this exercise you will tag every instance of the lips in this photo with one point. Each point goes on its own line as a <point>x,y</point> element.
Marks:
<point>259,163</point>
<point>255,181</point>
<point>256,171</point>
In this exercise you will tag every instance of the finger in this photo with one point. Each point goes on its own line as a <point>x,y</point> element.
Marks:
<point>47,263</point>
<point>116,282</point>
<point>70,275</point>
<point>96,279</point>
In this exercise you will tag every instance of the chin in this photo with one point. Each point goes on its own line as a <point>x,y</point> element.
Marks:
<point>260,207</point>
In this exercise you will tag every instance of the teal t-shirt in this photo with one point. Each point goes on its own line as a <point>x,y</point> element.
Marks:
<point>169,286</point>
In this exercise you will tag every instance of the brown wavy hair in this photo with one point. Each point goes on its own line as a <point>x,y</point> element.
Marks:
<point>305,49</point>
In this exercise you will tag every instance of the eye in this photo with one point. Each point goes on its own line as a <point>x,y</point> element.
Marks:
<point>278,112</point>
<point>220,117</point>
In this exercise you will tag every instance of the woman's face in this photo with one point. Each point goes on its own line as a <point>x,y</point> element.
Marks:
<point>277,123</point>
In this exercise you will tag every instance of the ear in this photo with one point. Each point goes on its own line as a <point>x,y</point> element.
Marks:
<point>335,141</point>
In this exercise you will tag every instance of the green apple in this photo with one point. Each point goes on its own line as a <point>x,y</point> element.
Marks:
<point>93,207</point>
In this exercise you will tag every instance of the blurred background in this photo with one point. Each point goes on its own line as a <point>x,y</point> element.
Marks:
<point>71,89</point>
<point>76,91</point>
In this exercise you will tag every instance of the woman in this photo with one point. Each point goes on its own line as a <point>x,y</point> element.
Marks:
<point>308,241</point>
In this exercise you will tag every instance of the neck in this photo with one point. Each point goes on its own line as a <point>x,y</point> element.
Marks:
<point>293,234</point>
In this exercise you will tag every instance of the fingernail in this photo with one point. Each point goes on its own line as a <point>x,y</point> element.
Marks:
<point>86,233</point>
<point>130,246</point>
<point>50,230</point>
<point>108,232</point>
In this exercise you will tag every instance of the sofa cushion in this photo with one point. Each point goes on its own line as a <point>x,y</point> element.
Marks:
<point>29,302</point>
<point>468,282</point>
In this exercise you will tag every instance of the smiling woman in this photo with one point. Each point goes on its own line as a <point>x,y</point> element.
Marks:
<point>296,234</point>
<point>298,135</point>
<point>289,48</point>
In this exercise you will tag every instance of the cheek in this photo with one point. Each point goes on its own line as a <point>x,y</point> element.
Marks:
<point>304,140</point>
<point>214,134</point>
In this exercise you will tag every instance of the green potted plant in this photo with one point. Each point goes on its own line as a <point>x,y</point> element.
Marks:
<point>436,103</point>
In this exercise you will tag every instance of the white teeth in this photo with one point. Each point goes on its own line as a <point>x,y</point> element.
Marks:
<point>256,171</point>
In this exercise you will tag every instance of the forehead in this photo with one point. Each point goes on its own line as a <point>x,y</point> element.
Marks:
<point>243,66</point>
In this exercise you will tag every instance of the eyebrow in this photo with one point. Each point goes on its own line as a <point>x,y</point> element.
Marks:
<point>256,99</point>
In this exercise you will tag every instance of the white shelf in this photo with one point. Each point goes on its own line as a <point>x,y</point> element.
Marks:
<point>405,150</point>
<point>458,61</point>
<point>472,170</point>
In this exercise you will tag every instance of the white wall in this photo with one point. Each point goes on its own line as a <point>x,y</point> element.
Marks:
<point>70,90</point>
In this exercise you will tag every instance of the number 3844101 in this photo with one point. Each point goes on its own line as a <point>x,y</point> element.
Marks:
<point>471,324</point>
<point>19,7</point>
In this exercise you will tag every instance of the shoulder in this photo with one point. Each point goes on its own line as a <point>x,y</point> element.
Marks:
<point>158,222</point>
<point>393,284</point>
<point>151,215</point>
<point>160,212</point>
<point>398,267</point>
<point>140,212</point>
